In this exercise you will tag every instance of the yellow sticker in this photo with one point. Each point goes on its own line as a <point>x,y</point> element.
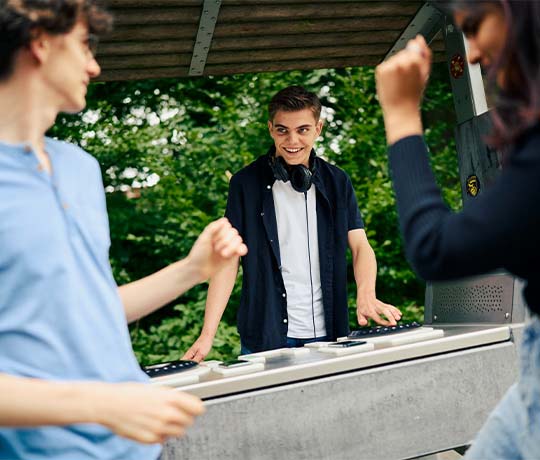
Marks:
<point>472,185</point>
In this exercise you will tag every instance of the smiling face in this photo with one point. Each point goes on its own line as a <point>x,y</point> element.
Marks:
<point>294,134</point>
<point>68,66</point>
<point>486,31</point>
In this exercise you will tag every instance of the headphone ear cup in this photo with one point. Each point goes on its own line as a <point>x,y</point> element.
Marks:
<point>301,178</point>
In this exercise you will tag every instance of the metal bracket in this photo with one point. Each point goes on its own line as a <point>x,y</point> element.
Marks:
<point>207,24</point>
<point>466,79</point>
<point>427,22</point>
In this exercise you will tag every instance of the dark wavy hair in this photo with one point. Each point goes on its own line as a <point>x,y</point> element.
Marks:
<point>517,106</point>
<point>292,99</point>
<point>20,19</point>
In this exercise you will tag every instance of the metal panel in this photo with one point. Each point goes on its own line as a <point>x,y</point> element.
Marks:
<point>396,411</point>
<point>427,22</point>
<point>476,159</point>
<point>483,299</point>
<point>466,79</point>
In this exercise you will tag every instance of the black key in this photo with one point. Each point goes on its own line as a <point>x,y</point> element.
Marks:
<point>379,331</point>
<point>172,367</point>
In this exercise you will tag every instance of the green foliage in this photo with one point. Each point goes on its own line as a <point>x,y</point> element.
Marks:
<point>167,148</point>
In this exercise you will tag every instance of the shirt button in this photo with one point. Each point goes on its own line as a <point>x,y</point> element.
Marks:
<point>262,213</point>
<point>271,241</point>
<point>283,295</point>
<point>268,187</point>
<point>40,167</point>
<point>27,148</point>
<point>65,205</point>
<point>285,320</point>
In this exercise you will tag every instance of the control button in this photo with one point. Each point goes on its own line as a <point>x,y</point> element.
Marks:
<point>285,320</point>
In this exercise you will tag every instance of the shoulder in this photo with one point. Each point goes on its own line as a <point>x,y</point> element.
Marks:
<point>331,172</point>
<point>252,173</point>
<point>71,153</point>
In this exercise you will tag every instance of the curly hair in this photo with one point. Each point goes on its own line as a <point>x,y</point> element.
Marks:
<point>20,19</point>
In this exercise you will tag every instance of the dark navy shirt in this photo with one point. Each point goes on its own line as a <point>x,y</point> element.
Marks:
<point>498,229</point>
<point>262,314</point>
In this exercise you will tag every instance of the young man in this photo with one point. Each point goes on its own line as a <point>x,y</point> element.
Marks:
<point>298,214</point>
<point>69,382</point>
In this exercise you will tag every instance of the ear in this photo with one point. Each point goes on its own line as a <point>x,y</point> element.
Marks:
<point>40,46</point>
<point>270,126</point>
<point>319,127</point>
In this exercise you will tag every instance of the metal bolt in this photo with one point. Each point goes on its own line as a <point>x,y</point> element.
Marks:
<point>507,315</point>
<point>434,317</point>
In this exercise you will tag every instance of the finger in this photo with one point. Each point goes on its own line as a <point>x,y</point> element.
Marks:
<point>224,241</point>
<point>396,313</point>
<point>362,320</point>
<point>390,316</point>
<point>236,247</point>
<point>188,403</point>
<point>174,419</point>
<point>375,317</point>
<point>189,354</point>
<point>198,356</point>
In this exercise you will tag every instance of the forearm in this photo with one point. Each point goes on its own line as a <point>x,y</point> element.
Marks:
<point>402,122</point>
<point>219,292</point>
<point>143,296</point>
<point>365,269</point>
<point>33,402</point>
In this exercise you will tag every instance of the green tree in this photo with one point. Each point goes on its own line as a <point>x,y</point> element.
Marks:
<point>167,148</point>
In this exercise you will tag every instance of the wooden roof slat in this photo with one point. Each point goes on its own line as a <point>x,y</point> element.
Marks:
<point>242,43</point>
<point>229,69</point>
<point>326,10</point>
<point>182,15</point>
<point>310,26</point>
<point>152,32</point>
<point>357,52</point>
<point>241,57</point>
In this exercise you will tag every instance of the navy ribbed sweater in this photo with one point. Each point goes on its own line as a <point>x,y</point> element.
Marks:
<point>498,229</point>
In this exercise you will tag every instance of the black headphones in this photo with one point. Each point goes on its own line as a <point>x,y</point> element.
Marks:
<point>301,177</point>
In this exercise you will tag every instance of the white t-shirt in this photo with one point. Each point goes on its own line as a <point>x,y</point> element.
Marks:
<point>300,266</point>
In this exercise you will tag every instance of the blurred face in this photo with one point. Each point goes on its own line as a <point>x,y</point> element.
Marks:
<point>486,33</point>
<point>68,67</point>
<point>294,134</point>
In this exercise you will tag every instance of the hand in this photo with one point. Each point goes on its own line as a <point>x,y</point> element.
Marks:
<point>401,81</point>
<point>218,243</point>
<point>144,413</point>
<point>200,349</point>
<point>368,306</point>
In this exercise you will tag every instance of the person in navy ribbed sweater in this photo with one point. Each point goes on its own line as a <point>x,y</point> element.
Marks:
<point>501,227</point>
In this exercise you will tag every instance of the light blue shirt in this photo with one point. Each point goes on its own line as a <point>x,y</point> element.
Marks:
<point>61,317</point>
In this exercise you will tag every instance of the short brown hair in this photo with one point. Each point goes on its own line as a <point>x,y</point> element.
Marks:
<point>19,19</point>
<point>293,99</point>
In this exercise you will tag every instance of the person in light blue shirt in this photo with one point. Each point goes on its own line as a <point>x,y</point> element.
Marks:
<point>70,387</point>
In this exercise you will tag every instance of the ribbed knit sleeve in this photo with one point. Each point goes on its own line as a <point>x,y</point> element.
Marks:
<point>498,229</point>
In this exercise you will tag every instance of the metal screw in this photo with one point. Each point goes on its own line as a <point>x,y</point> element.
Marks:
<point>507,315</point>
<point>434,317</point>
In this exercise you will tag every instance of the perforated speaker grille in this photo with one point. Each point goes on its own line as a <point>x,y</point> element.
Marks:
<point>486,299</point>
